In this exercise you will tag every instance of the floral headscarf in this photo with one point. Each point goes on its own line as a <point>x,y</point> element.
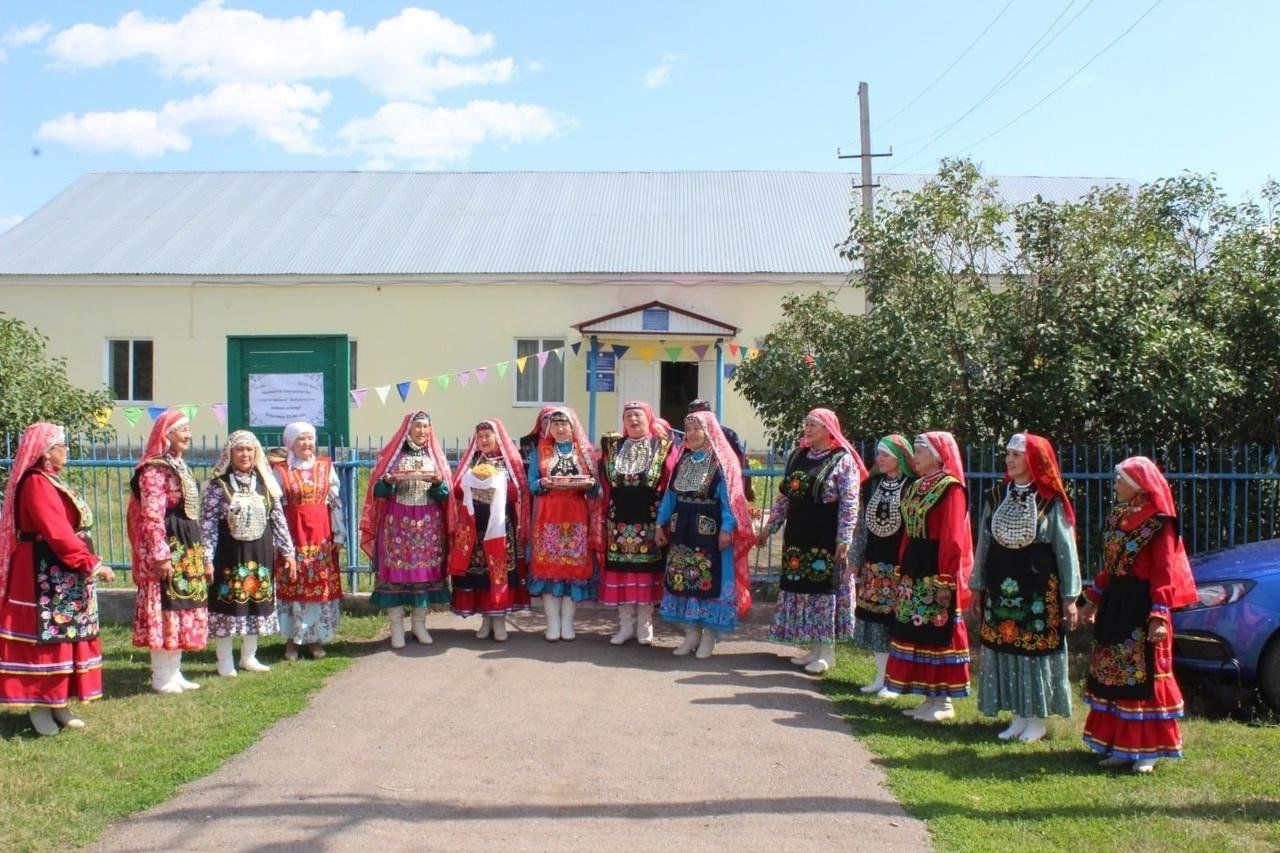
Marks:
<point>245,438</point>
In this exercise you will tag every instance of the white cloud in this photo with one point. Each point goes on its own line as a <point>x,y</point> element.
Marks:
<point>9,220</point>
<point>30,34</point>
<point>412,55</point>
<point>660,74</point>
<point>432,137</point>
<point>281,114</point>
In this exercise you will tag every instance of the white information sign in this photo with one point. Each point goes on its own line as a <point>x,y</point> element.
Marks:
<point>279,399</point>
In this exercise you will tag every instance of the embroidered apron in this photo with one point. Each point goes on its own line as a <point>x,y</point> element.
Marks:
<point>809,538</point>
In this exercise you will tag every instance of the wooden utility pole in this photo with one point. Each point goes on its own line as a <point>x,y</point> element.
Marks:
<point>864,132</point>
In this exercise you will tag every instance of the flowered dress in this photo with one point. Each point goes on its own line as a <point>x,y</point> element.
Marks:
<point>877,542</point>
<point>1026,568</point>
<point>309,608</point>
<point>1134,701</point>
<point>699,584</point>
<point>244,529</point>
<point>164,524</point>
<point>818,503</point>
<point>49,646</point>
<point>560,561</point>
<point>929,643</point>
<point>409,554</point>
<point>635,473</point>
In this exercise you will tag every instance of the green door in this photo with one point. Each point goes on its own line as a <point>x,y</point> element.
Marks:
<point>274,381</point>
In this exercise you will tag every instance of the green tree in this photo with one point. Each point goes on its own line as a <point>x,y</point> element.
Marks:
<point>34,387</point>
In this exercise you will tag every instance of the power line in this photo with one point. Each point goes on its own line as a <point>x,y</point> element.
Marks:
<point>947,70</point>
<point>1073,76</point>
<point>1017,68</point>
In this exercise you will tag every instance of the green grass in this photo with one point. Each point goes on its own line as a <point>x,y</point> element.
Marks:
<point>139,746</point>
<point>977,793</point>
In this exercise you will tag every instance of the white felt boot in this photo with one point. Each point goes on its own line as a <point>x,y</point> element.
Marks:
<point>626,624</point>
<point>249,655</point>
<point>644,624</point>
<point>825,660</point>
<point>500,628</point>
<point>707,646</point>
<point>568,607</point>
<point>419,622</point>
<point>1016,725</point>
<point>806,658</point>
<point>65,718</point>
<point>942,710</point>
<point>551,610</point>
<point>160,676</point>
<point>1034,731</point>
<point>226,658</point>
<point>692,635</point>
<point>182,681</point>
<point>396,616</point>
<point>882,661</point>
<point>486,625</point>
<point>44,723</point>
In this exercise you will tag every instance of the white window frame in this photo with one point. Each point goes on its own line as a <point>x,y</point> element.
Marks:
<point>106,367</point>
<point>516,402</point>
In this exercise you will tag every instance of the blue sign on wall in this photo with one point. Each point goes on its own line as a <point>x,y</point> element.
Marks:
<point>655,320</point>
<point>604,362</point>
<point>603,382</point>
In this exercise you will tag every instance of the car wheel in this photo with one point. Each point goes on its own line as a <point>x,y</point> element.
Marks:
<point>1269,674</point>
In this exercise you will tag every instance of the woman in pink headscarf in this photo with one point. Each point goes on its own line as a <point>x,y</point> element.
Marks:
<point>705,519</point>
<point>634,470</point>
<point>405,526</point>
<point>1134,701</point>
<point>171,614</point>
<point>818,503</point>
<point>49,647</point>
<point>929,644</point>
<point>486,555</point>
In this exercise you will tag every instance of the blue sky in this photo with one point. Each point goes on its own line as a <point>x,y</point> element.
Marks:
<point>576,85</point>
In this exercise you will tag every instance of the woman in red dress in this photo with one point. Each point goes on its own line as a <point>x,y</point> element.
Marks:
<point>1133,698</point>
<point>49,647</point>
<point>486,558</point>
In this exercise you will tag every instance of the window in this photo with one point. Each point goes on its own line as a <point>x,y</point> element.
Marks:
<point>540,384</point>
<point>129,369</point>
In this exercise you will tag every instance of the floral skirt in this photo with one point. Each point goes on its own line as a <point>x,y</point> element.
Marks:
<point>305,622</point>
<point>800,617</point>
<point>872,636</point>
<point>228,625</point>
<point>167,630</point>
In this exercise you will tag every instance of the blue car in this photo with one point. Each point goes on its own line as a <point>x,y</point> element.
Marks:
<point>1233,631</point>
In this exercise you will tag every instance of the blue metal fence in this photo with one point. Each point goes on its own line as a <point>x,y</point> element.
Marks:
<point>1227,495</point>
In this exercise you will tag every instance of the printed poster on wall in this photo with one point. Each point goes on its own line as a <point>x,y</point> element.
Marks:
<point>279,399</point>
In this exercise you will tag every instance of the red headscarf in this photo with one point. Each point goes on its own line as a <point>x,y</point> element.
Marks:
<point>831,423</point>
<point>465,535</point>
<point>585,456</point>
<point>374,507</point>
<point>1145,475</point>
<point>657,426</point>
<point>944,445</point>
<point>36,441</point>
<point>948,453</point>
<point>1042,463</point>
<point>158,440</point>
<point>743,535</point>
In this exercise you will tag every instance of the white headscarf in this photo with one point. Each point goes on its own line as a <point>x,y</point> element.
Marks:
<point>292,433</point>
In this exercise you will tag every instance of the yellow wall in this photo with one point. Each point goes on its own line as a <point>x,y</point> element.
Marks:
<point>405,331</point>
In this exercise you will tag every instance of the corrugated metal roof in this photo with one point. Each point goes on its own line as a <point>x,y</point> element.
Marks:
<point>406,223</point>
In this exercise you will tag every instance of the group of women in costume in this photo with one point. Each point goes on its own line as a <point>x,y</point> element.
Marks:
<point>641,524</point>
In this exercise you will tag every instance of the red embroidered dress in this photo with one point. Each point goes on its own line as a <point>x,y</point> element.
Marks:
<point>308,513</point>
<point>49,647</point>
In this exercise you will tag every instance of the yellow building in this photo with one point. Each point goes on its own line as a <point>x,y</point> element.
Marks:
<point>282,293</point>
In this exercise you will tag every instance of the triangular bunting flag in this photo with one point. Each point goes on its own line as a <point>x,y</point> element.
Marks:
<point>443,381</point>
<point>423,384</point>
<point>700,351</point>
<point>402,388</point>
<point>619,351</point>
<point>520,362</point>
<point>645,352</point>
<point>357,396</point>
<point>382,391</point>
<point>463,377</point>
<point>542,359</point>
<point>729,370</point>
<point>502,368</point>
<point>220,412</point>
<point>154,412</point>
<point>673,353</point>
<point>482,373</point>
<point>734,349</point>
<point>131,414</point>
<point>752,352</point>
<point>189,411</point>
<point>576,347</point>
